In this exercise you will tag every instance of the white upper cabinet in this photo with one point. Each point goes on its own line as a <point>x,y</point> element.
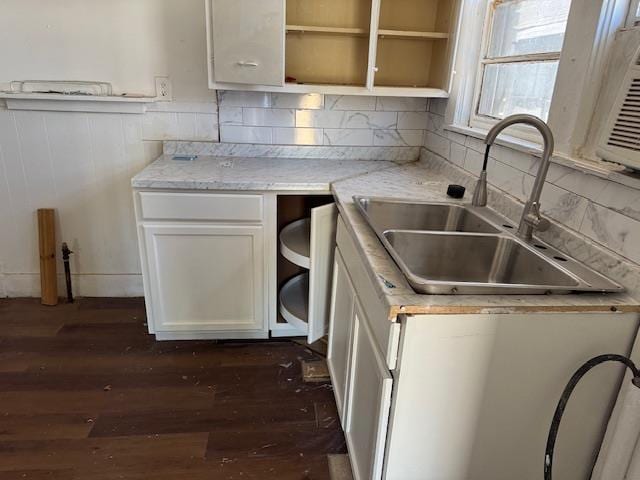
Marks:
<point>350,47</point>
<point>247,41</point>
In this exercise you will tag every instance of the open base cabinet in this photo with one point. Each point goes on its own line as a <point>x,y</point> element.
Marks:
<point>306,241</point>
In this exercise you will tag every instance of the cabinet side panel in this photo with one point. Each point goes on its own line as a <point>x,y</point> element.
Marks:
<point>475,394</point>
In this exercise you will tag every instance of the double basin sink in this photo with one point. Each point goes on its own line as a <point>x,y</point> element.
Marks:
<point>445,248</point>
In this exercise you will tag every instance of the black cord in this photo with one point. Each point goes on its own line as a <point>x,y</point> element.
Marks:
<point>564,399</point>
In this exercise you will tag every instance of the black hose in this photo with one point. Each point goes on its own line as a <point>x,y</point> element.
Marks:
<point>564,399</point>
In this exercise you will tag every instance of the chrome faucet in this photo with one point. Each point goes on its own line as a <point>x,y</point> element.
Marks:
<point>531,219</point>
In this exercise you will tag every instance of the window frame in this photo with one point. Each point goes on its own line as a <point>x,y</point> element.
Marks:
<point>633,20</point>
<point>588,38</point>
<point>486,122</point>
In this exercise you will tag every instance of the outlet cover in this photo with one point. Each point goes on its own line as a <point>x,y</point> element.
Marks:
<point>164,90</point>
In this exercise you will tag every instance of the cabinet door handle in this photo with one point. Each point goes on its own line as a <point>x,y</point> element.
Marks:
<point>243,63</point>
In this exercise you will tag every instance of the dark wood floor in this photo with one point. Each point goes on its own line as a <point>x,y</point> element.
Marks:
<point>86,393</point>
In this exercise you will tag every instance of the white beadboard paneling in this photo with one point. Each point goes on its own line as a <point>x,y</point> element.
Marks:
<point>341,119</point>
<point>186,126</point>
<point>413,120</point>
<point>229,98</point>
<point>398,138</point>
<point>230,115</point>
<point>160,126</point>
<point>297,136</point>
<point>295,100</point>
<point>183,107</point>
<point>614,230</point>
<point>348,137</point>
<point>402,104</point>
<point>349,102</point>
<point>242,134</point>
<point>268,117</point>
<point>206,127</point>
<point>18,233</point>
<point>36,161</point>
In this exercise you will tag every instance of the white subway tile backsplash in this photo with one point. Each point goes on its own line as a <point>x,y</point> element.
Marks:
<point>457,154</point>
<point>268,117</point>
<point>438,106</point>
<point>618,232</point>
<point>413,120</point>
<point>402,104</point>
<point>438,144</point>
<point>398,138</point>
<point>350,119</point>
<point>297,136</point>
<point>230,115</point>
<point>348,137</point>
<point>349,102</point>
<point>295,100</point>
<point>230,98</point>
<point>242,134</point>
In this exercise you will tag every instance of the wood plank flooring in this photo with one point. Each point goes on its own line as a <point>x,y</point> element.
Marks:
<point>86,393</point>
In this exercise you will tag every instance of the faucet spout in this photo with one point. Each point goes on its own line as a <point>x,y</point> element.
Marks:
<point>531,219</point>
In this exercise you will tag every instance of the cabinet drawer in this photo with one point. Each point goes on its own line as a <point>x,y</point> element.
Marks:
<point>201,206</point>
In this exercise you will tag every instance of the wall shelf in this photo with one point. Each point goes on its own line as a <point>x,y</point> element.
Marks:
<point>75,103</point>
<point>413,34</point>
<point>328,30</point>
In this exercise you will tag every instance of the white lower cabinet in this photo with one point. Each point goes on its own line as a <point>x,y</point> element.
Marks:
<point>368,404</point>
<point>206,278</point>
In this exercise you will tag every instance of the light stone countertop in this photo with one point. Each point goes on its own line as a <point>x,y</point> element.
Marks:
<point>251,173</point>
<point>346,178</point>
<point>417,182</point>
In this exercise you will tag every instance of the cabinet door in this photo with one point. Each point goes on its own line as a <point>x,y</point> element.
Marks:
<point>248,41</point>
<point>322,245</point>
<point>340,323</point>
<point>206,277</point>
<point>368,404</point>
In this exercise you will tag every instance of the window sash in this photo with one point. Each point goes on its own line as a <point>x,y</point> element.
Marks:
<point>485,122</point>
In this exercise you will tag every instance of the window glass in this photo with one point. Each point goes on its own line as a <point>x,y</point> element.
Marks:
<point>523,27</point>
<point>523,87</point>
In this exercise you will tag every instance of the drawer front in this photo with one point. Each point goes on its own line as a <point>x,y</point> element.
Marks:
<point>201,206</point>
<point>385,332</point>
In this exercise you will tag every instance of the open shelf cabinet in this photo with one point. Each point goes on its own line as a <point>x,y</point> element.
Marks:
<point>357,47</point>
<point>306,226</point>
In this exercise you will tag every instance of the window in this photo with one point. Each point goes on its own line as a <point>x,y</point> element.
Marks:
<point>519,61</point>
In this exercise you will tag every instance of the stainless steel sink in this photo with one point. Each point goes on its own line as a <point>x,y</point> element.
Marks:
<point>442,217</point>
<point>446,248</point>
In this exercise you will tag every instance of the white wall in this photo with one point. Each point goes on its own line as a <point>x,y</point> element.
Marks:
<point>125,42</point>
<point>79,163</point>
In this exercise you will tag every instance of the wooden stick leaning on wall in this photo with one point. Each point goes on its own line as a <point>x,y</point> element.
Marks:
<point>47,245</point>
